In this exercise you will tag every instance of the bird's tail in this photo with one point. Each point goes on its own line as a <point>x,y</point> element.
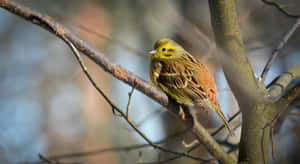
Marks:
<point>217,109</point>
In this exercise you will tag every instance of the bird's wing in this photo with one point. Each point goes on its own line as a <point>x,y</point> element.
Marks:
<point>179,78</point>
<point>204,79</point>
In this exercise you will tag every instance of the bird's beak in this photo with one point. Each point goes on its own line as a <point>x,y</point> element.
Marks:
<point>153,52</point>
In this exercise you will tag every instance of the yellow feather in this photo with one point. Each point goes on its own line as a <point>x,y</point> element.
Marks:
<point>183,77</point>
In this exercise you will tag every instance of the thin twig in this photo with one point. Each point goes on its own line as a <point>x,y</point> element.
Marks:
<point>227,143</point>
<point>46,160</point>
<point>233,129</point>
<point>91,52</point>
<point>284,102</point>
<point>98,151</point>
<point>161,161</point>
<point>191,144</point>
<point>123,115</point>
<point>199,144</point>
<point>278,7</point>
<point>281,106</point>
<point>112,149</point>
<point>177,157</point>
<point>129,99</point>
<point>271,133</point>
<point>232,149</point>
<point>52,161</point>
<point>276,51</point>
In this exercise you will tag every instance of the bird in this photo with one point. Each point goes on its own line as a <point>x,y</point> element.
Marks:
<point>184,77</point>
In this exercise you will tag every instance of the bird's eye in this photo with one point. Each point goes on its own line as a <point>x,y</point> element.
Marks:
<point>163,49</point>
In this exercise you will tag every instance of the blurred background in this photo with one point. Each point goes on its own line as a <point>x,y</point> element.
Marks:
<point>48,107</point>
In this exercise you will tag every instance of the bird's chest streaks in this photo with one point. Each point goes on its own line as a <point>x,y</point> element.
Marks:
<point>172,75</point>
<point>169,68</point>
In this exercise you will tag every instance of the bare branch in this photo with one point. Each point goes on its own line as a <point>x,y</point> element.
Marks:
<point>95,55</point>
<point>178,157</point>
<point>105,150</point>
<point>191,144</point>
<point>161,161</point>
<point>115,107</point>
<point>236,66</point>
<point>280,85</point>
<point>199,144</point>
<point>286,100</point>
<point>278,7</point>
<point>213,147</point>
<point>46,160</point>
<point>129,99</point>
<point>281,111</point>
<point>238,72</point>
<point>276,51</point>
<point>52,161</point>
<point>227,143</point>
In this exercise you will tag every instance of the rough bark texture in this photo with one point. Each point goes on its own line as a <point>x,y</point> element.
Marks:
<point>248,90</point>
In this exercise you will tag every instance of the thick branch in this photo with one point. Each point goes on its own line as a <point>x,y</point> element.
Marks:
<point>283,81</point>
<point>235,63</point>
<point>248,90</point>
<point>214,147</point>
<point>95,55</point>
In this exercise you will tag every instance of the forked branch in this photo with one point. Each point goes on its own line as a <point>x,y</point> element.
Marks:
<point>276,51</point>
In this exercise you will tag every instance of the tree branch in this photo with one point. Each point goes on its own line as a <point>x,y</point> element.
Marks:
<point>236,66</point>
<point>115,107</point>
<point>280,85</point>
<point>278,7</point>
<point>284,102</point>
<point>276,51</point>
<point>95,55</point>
<point>214,147</point>
<point>105,150</point>
<point>250,93</point>
<point>288,98</point>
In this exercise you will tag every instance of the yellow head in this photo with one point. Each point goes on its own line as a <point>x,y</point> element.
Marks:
<point>166,49</point>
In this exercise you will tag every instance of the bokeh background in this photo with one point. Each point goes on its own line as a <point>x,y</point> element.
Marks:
<point>47,105</point>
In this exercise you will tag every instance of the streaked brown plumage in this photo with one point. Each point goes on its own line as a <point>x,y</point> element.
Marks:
<point>183,77</point>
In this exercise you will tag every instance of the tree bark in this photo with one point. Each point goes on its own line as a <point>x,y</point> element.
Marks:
<point>250,93</point>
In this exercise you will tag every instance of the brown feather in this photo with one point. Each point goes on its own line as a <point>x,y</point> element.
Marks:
<point>184,77</point>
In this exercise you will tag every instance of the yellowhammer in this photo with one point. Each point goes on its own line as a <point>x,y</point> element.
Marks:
<point>183,77</point>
